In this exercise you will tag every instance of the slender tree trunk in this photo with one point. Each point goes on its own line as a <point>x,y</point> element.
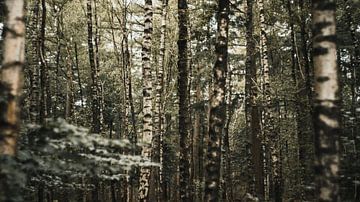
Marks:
<point>10,87</point>
<point>197,147</point>
<point>34,62</point>
<point>271,135</point>
<point>147,134</point>
<point>293,46</point>
<point>120,62</point>
<point>69,86</point>
<point>227,171</point>
<point>130,94</point>
<point>326,110</point>
<point>58,20</point>
<point>305,52</point>
<point>305,110</point>
<point>183,81</point>
<point>95,108</point>
<point>217,105</point>
<point>97,66</point>
<point>78,74</point>
<point>251,107</point>
<point>94,85</point>
<point>44,105</point>
<point>158,112</point>
<point>355,73</point>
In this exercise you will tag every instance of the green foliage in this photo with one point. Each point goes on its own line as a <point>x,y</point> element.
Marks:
<point>51,155</point>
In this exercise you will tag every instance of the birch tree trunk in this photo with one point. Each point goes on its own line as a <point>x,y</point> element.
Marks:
<point>326,110</point>
<point>10,87</point>
<point>217,105</point>
<point>10,75</point>
<point>147,134</point>
<point>271,136</point>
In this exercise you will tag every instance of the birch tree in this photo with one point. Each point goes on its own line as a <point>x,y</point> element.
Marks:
<point>159,108</point>
<point>147,134</point>
<point>326,109</point>
<point>271,135</point>
<point>10,87</point>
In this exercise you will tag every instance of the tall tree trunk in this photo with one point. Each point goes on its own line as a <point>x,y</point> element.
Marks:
<point>58,20</point>
<point>355,74</point>
<point>326,110</point>
<point>95,108</point>
<point>253,123</point>
<point>78,75</point>
<point>271,135</point>
<point>217,105</point>
<point>94,84</point>
<point>33,62</point>
<point>197,146</point>
<point>69,86</point>
<point>97,66</point>
<point>227,171</point>
<point>158,112</point>
<point>10,87</point>
<point>147,134</point>
<point>183,81</point>
<point>10,75</point>
<point>305,110</point>
<point>44,83</point>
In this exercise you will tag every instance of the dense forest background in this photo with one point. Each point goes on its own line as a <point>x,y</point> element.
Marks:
<point>188,100</point>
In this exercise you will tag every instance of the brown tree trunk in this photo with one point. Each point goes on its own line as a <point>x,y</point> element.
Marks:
<point>305,111</point>
<point>78,75</point>
<point>44,77</point>
<point>217,105</point>
<point>197,147</point>
<point>69,87</point>
<point>183,81</point>
<point>271,134</point>
<point>252,110</point>
<point>97,66</point>
<point>95,108</point>
<point>33,61</point>
<point>94,84</point>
